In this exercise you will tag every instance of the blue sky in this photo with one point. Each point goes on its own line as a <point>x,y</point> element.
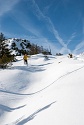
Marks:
<point>55,24</point>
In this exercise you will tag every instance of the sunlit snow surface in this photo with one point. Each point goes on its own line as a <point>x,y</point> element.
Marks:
<point>46,92</point>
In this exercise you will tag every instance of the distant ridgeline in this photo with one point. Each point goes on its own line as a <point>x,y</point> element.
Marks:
<point>22,46</point>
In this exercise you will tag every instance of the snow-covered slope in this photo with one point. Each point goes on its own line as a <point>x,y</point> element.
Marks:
<point>46,92</point>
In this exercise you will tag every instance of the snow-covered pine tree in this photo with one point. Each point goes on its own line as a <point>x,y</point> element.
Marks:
<point>5,52</point>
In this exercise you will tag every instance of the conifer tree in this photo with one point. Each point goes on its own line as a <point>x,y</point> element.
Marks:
<point>5,53</point>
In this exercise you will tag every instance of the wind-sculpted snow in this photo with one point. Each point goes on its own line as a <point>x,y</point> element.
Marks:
<point>56,84</point>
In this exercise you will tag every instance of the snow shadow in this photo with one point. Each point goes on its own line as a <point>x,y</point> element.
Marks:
<point>28,68</point>
<point>32,116</point>
<point>14,93</point>
<point>42,64</point>
<point>4,108</point>
<point>8,109</point>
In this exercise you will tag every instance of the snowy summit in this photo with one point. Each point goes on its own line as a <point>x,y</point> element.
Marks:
<point>49,91</point>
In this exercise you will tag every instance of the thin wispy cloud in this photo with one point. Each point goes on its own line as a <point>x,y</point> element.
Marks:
<point>78,47</point>
<point>25,22</point>
<point>37,11</point>
<point>48,21</point>
<point>45,10</point>
<point>7,5</point>
<point>71,38</point>
<point>64,49</point>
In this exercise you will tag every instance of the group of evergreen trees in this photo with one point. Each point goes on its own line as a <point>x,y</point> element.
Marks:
<point>28,48</point>
<point>5,53</point>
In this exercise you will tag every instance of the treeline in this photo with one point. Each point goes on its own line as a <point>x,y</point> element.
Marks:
<point>28,48</point>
